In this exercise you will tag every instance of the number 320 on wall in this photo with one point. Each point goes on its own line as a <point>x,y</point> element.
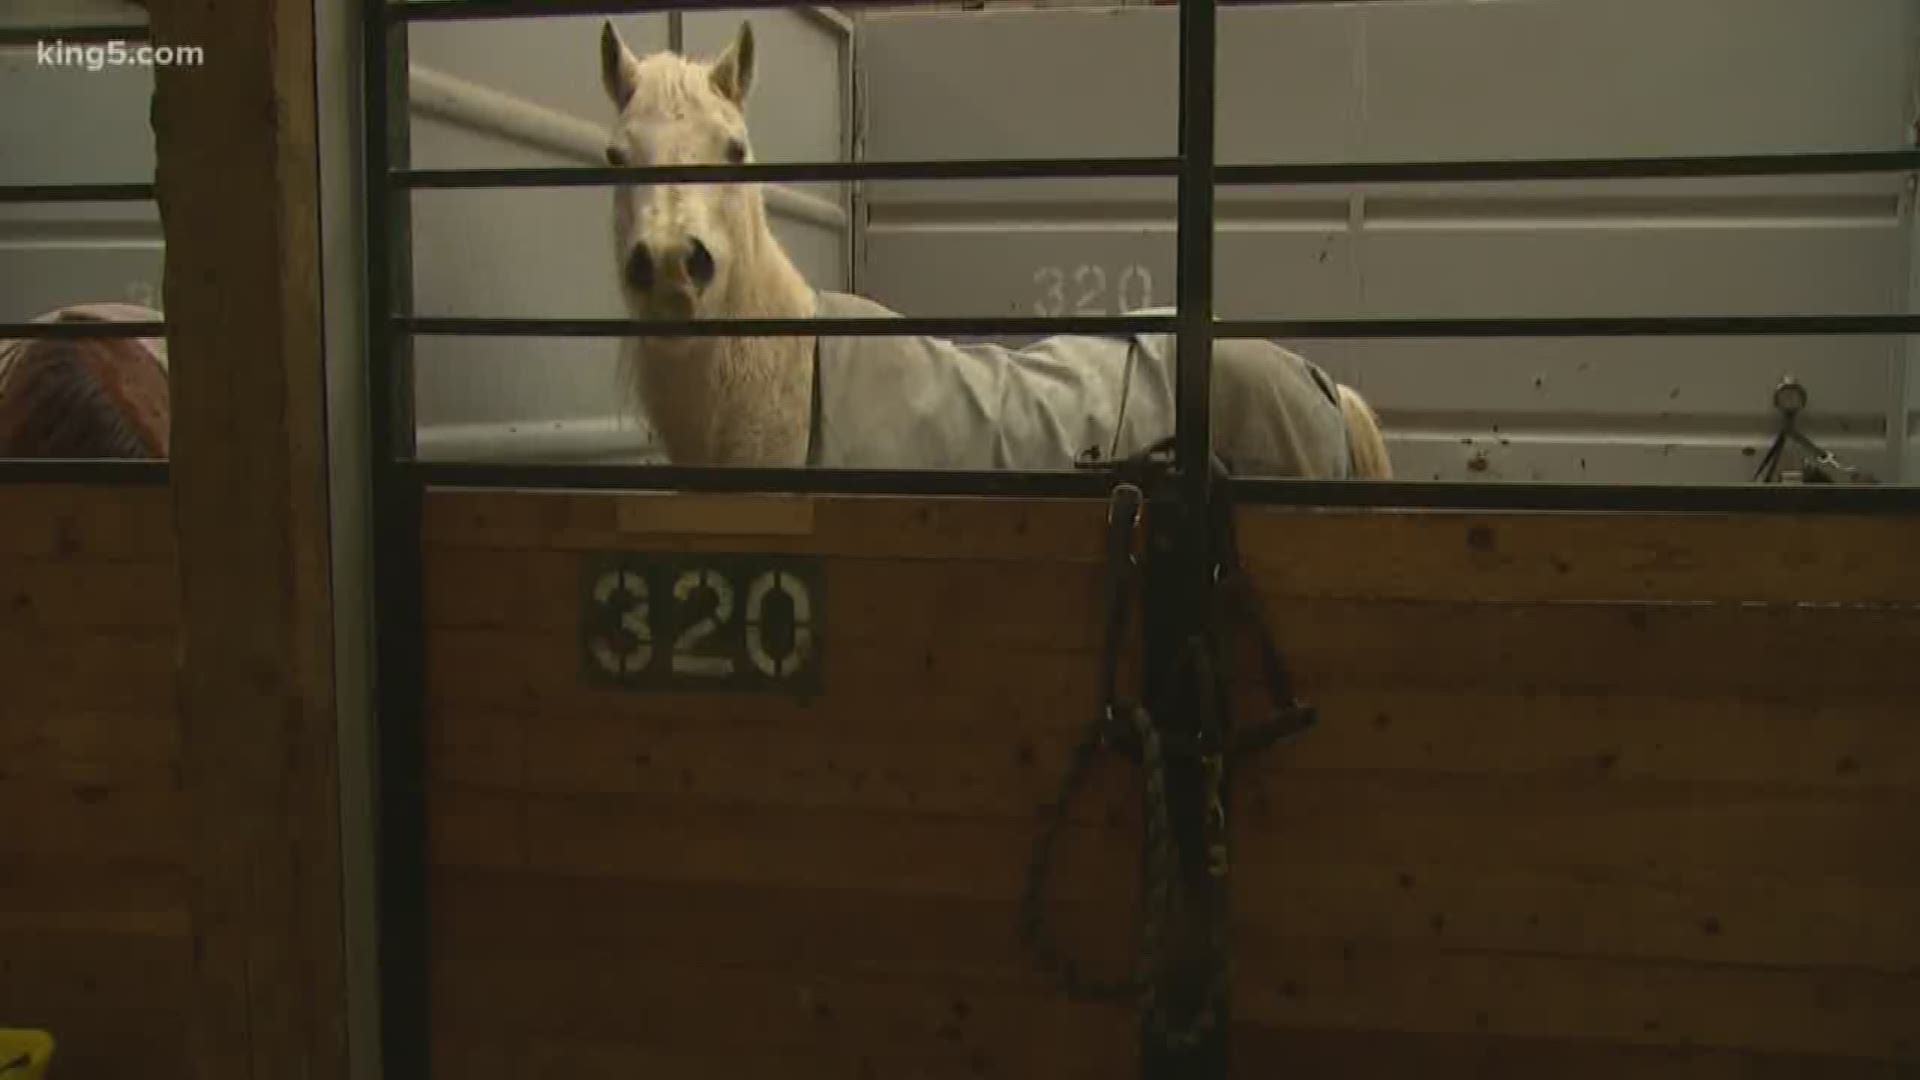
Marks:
<point>680,622</point>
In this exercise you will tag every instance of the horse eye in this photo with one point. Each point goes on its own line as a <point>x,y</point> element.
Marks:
<point>616,157</point>
<point>736,151</point>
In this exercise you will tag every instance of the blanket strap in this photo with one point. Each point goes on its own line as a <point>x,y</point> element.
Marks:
<point>1126,727</point>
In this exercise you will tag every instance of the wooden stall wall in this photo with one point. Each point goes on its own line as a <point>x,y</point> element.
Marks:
<point>708,883</point>
<point>1620,796</point>
<point>95,938</point>
<point>1592,796</point>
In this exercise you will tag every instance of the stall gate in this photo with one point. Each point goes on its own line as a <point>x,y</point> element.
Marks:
<point>693,772</point>
<point>94,925</point>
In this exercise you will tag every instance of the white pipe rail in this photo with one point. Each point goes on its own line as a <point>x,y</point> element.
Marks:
<point>456,100</point>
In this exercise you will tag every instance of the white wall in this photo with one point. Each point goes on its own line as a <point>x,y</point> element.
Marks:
<point>1441,79</point>
<point>528,93</point>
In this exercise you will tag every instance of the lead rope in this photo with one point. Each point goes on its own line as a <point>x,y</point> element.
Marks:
<point>1126,726</point>
<point>1123,518</point>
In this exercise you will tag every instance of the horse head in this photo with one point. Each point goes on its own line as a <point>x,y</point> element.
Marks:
<point>682,249</point>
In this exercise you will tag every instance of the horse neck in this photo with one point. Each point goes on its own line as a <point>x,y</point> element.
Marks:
<point>768,285</point>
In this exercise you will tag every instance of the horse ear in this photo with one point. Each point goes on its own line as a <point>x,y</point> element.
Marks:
<point>618,69</point>
<point>733,72</point>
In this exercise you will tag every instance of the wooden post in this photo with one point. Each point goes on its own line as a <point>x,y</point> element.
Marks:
<point>237,190</point>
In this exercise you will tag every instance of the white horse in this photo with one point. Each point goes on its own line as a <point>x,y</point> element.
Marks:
<point>705,251</point>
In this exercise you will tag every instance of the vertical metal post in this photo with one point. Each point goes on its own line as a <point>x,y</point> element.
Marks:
<point>1193,378</point>
<point>399,653</point>
<point>1179,589</point>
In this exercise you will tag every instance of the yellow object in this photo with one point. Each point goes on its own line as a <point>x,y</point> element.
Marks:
<point>24,1054</point>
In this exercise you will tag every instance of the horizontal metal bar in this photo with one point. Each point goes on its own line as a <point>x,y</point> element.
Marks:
<point>1383,172</point>
<point>939,327</point>
<point>1307,329</point>
<point>103,471</point>
<point>1759,165</point>
<point>1643,498</point>
<point>65,193</point>
<point>461,10</point>
<point>1421,495</point>
<point>73,35</point>
<point>788,172</point>
<point>1573,327</point>
<point>904,482</point>
<point>80,329</point>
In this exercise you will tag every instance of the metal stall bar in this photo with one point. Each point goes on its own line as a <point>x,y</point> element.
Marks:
<point>777,172</point>
<point>107,472</point>
<point>58,331</point>
<point>63,193</point>
<point>1580,497</point>
<point>455,326</point>
<point>1185,1015</point>
<point>921,482</point>
<point>1643,168</point>
<point>399,634</point>
<point>1863,162</point>
<point>461,10</point>
<point>1579,326</point>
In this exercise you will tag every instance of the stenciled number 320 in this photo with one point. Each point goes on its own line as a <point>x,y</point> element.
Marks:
<point>636,618</point>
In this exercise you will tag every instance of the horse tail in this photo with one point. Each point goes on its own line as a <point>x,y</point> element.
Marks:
<point>1370,460</point>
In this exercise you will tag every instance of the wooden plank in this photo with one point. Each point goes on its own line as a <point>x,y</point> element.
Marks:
<point>476,1055</point>
<point>87,522</point>
<point>52,592</point>
<point>1862,742</point>
<point>1799,921</point>
<point>703,514</point>
<point>103,973</point>
<point>1682,649</point>
<point>1333,1053</point>
<point>1396,820</point>
<point>95,822</point>
<point>91,747</point>
<point>544,992</point>
<point>249,480</point>
<point>814,762</point>
<point>636,926</point>
<point>1025,530</point>
<point>1291,983</point>
<point>1448,556</point>
<point>676,841</point>
<point>67,893</point>
<point>963,757</point>
<point>1352,554</point>
<point>66,669</point>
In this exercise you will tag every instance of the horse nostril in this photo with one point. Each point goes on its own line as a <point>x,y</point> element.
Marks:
<point>639,268</point>
<point>699,263</point>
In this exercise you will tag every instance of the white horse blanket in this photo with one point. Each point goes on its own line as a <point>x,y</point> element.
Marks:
<point>923,402</point>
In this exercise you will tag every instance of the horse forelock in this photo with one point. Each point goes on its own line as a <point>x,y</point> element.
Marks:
<point>671,88</point>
